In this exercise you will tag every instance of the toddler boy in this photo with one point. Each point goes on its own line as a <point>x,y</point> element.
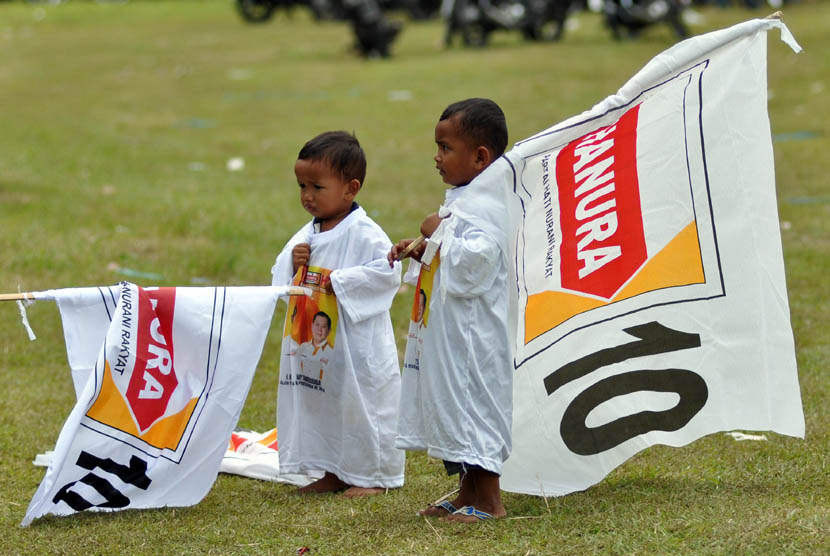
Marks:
<point>457,381</point>
<point>339,374</point>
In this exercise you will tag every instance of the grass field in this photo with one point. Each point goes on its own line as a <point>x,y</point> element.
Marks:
<point>117,122</point>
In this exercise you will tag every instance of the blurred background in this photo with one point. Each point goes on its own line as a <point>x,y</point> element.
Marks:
<point>154,141</point>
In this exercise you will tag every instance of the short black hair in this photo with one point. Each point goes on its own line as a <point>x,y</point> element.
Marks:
<point>340,150</point>
<point>322,314</point>
<point>482,122</point>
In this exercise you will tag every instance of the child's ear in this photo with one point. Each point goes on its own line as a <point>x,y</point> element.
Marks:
<point>352,187</point>
<point>483,157</point>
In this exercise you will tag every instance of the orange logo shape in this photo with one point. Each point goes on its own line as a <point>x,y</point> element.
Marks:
<point>137,400</point>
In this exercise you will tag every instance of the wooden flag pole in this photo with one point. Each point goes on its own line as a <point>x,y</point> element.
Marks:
<point>15,296</point>
<point>411,247</point>
<point>293,290</point>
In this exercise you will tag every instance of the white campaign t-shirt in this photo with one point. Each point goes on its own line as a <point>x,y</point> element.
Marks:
<point>338,404</point>
<point>457,381</point>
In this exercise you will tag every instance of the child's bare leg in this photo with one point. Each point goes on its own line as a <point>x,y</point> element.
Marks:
<point>357,492</point>
<point>328,483</point>
<point>487,497</point>
<point>466,495</point>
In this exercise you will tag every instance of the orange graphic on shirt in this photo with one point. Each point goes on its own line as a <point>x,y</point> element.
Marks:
<point>423,292</point>
<point>312,319</point>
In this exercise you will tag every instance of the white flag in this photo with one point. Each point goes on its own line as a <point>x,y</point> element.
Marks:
<point>85,314</point>
<point>161,397</point>
<point>650,302</point>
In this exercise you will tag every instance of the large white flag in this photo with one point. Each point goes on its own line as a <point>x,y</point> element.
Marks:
<point>158,397</point>
<point>650,302</point>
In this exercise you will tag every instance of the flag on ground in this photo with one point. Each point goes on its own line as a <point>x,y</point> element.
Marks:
<point>256,455</point>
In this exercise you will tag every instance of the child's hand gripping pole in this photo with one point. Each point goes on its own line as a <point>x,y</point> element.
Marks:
<point>299,257</point>
<point>410,248</point>
<point>395,255</point>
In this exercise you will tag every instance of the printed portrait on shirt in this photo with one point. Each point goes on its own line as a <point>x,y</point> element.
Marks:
<point>311,329</point>
<point>423,293</point>
<point>419,317</point>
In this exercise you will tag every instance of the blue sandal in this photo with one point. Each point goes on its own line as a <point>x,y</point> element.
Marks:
<point>470,510</point>
<point>446,504</point>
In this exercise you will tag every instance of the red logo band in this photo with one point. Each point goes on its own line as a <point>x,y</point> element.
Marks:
<point>153,379</point>
<point>603,243</point>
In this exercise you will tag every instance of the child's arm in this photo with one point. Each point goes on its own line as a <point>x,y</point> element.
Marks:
<point>430,224</point>
<point>471,264</point>
<point>367,290</point>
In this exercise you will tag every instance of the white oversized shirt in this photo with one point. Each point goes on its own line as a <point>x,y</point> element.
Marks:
<point>344,422</point>
<point>456,399</point>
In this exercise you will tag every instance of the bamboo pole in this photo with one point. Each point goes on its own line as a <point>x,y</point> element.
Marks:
<point>292,290</point>
<point>16,296</point>
<point>295,290</point>
<point>410,248</point>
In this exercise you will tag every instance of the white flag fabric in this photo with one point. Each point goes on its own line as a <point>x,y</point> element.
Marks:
<point>162,395</point>
<point>650,302</point>
<point>85,314</point>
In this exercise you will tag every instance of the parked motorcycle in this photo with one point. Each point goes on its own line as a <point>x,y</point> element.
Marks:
<point>260,11</point>
<point>374,33</point>
<point>630,17</point>
<point>475,20</point>
<point>418,10</point>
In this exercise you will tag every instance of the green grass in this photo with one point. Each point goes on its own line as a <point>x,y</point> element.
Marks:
<point>116,123</point>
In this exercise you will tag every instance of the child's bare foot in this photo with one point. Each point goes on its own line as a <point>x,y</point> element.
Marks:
<point>466,495</point>
<point>328,483</point>
<point>471,514</point>
<point>485,501</point>
<point>357,492</point>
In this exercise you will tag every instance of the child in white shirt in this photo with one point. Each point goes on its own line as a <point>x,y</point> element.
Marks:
<point>339,374</point>
<point>457,380</point>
